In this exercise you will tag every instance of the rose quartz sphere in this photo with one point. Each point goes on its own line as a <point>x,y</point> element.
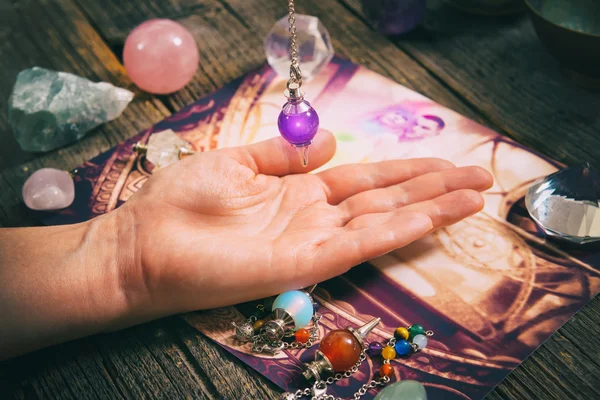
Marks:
<point>49,189</point>
<point>160,56</point>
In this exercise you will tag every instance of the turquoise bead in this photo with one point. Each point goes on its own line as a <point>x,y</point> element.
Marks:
<point>298,304</point>
<point>409,390</point>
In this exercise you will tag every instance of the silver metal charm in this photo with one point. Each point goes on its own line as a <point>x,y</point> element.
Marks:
<point>244,332</point>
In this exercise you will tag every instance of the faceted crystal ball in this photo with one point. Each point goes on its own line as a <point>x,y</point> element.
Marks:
<point>565,204</point>
<point>49,189</point>
<point>160,56</point>
<point>314,46</point>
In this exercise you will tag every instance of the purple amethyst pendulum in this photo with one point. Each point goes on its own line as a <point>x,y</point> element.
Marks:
<point>298,122</point>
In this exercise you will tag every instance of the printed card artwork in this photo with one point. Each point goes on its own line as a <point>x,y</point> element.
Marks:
<point>491,287</point>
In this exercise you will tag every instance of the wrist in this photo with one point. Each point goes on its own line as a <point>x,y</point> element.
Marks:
<point>58,283</point>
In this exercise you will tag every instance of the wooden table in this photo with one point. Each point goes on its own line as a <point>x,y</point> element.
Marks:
<point>492,70</point>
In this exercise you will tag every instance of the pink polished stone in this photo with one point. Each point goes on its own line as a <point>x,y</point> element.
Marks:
<point>160,56</point>
<point>49,189</point>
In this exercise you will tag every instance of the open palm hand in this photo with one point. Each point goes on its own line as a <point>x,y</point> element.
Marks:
<point>238,224</point>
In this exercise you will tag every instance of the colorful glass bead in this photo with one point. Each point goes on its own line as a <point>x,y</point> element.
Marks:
<point>375,348</point>
<point>258,324</point>
<point>403,347</point>
<point>386,370</point>
<point>401,333</point>
<point>302,335</point>
<point>341,348</point>
<point>388,353</point>
<point>160,56</point>
<point>421,341</point>
<point>298,304</point>
<point>415,330</point>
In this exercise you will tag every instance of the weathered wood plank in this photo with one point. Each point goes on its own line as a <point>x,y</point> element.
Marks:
<point>70,371</point>
<point>187,375</point>
<point>227,48</point>
<point>498,66</point>
<point>232,379</point>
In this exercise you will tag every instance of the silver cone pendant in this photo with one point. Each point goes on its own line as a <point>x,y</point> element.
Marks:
<point>565,204</point>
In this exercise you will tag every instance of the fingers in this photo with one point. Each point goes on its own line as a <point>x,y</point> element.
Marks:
<point>421,188</point>
<point>372,235</point>
<point>347,180</point>
<point>278,157</point>
<point>380,235</point>
<point>450,208</point>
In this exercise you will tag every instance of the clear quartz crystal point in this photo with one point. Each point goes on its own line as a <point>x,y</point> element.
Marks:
<point>314,46</point>
<point>565,204</point>
<point>164,148</point>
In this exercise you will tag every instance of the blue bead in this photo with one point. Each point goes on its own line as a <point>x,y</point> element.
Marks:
<point>403,347</point>
<point>298,305</point>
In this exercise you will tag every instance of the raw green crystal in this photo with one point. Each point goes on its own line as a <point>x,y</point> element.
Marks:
<point>404,390</point>
<point>49,109</point>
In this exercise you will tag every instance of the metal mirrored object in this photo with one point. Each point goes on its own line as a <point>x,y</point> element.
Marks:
<point>565,204</point>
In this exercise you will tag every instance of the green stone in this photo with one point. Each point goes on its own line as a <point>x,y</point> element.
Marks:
<point>49,109</point>
<point>405,390</point>
<point>415,330</point>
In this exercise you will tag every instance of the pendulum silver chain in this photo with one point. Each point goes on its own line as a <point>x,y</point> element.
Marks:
<point>319,389</point>
<point>260,344</point>
<point>295,74</point>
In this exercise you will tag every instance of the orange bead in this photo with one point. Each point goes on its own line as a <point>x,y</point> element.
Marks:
<point>258,324</point>
<point>341,348</point>
<point>302,335</point>
<point>388,353</point>
<point>386,370</point>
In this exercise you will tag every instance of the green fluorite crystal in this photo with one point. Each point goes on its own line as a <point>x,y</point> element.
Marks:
<point>404,390</point>
<point>49,109</point>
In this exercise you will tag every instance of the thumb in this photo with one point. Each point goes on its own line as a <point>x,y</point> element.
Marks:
<point>278,157</point>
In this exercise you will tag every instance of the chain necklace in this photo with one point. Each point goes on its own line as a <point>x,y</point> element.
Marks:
<point>295,74</point>
<point>298,121</point>
<point>319,389</point>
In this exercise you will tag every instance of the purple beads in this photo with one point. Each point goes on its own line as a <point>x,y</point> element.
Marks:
<point>375,348</point>
<point>394,17</point>
<point>298,122</point>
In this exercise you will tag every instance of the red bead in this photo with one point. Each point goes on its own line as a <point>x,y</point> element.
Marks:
<point>302,335</point>
<point>386,370</point>
<point>341,348</point>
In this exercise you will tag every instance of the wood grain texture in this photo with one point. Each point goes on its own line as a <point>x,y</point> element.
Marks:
<point>487,70</point>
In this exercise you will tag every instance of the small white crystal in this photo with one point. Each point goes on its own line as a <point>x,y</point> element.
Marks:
<point>164,148</point>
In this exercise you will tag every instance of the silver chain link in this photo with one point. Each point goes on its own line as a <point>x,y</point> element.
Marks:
<point>321,386</point>
<point>295,74</point>
<point>261,344</point>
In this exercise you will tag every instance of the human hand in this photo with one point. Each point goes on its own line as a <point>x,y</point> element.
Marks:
<point>238,224</point>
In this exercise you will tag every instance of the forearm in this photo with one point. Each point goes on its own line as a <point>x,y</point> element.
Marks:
<point>58,283</point>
